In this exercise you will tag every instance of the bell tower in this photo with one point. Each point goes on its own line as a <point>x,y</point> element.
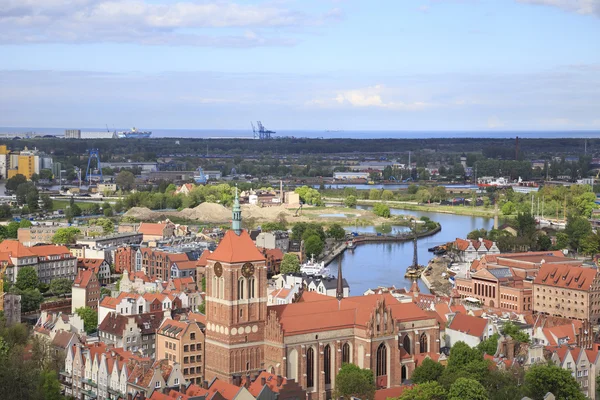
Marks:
<point>236,305</point>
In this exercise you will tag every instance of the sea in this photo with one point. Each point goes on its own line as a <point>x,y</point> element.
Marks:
<point>326,134</point>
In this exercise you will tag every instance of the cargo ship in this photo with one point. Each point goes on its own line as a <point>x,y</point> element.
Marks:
<point>134,134</point>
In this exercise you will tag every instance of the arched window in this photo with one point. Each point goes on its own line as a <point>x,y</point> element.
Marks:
<point>292,367</point>
<point>346,353</point>
<point>241,283</point>
<point>327,362</point>
<point>222,287</point>
<point>403,374</point>
<point>381,360</point>
<point>406,344</point>
<point>423,348</point>
<point>215,286</point>
<point>251,288</point>
<point>378,321</point>
<point>310,367</point>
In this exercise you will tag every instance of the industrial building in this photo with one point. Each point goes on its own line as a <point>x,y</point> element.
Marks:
<point>26,162</point>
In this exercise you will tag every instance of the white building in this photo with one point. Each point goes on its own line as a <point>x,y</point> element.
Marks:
<point>468,329</point>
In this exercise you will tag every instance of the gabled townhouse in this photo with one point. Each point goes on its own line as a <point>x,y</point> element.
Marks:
<point>134,304</point>
<point>469,250</point>
<point>100,267</point>
<point>182,284</point>
<point>51,322</point>
<point>583,365</point>
<point>182,269</point>
<point>268,386</point>
<point>156,231</point>
<point>183,342</point>
<point>120,331</point>
<point>468,329</point>
<point>54,262</point>
<point>322,285</point>
<point>85,291</point>
<point>125,259</point>
<point>162,375</point>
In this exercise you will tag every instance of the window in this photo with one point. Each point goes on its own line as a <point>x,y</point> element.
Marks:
<point>186,360</point>
<point>157,385</point>
<point>192,347</point>
<point>381,360</point>
<point>346,353</point>
<point>310,368</point>
<point>327,362</point>
<point>193,336</point>
<point>251,287</point>
<point>193,359</point>
<point>185,371</point>
<point>176,382</point>
<point>186,349</point>
<point>241,282</point>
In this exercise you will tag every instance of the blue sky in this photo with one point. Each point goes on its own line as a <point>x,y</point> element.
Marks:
<point>301,64</point>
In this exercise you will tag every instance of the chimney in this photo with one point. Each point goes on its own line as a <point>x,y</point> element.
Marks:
<point>247,383</point>
<point>279,380</point>
<point>237,380</point>
<point>204,384</point>
<point>263,381</point>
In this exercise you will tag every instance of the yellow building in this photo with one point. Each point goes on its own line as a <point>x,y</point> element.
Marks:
<point>26,165</point>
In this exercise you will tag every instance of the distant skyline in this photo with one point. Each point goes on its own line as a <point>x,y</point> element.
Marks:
<point>497,65</point>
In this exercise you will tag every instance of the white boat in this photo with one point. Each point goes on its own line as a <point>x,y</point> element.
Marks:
<point>314,268</point>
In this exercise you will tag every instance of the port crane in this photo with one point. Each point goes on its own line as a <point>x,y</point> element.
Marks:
<point>261,133</point>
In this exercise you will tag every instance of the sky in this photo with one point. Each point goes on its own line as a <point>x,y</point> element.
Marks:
<point>301,64</point>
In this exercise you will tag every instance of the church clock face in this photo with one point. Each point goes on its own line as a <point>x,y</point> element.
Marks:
<point>247,270</point>
<point>218,269</point>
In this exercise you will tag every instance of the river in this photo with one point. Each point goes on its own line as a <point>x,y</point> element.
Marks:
<point>384,264</point>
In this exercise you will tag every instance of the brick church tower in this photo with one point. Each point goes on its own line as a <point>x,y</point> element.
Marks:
<point>236,305</point>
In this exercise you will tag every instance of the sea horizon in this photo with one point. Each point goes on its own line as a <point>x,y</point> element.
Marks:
<point>331,134</point>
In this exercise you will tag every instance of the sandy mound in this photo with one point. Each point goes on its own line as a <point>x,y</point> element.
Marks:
<point>209,212</point>
<point>264,213</point>
<point>140,213</point>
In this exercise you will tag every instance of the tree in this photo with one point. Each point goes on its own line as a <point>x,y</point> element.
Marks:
<point>65,235</point>
<point>336,231</point>
<point>90,318</point>
<point>387,195</point>
<point>490,345</point>
<point>49,388</point>
<point>590,244</point>
<point>525,225</point>
<point>429,370</point>
<point>107,225</point>
<point>423,195</point>
<point>350,201</point>
<point>107,211</point>
<point>47,202</point>
<point>562,241</point>
<point>412,189</point>
<point>544,242</point>
<point>584,204</point>
<point>12,229</point>
<point>541,379</point>
<point>352,381</point>
<point>73,211</point>
<point>13,183</point>
<point>46,174</point>
<point>424,391</point>
<point>27,278</point>
<point>513,331</point>
<point>30,299</point>
<point>465,388</point>
<point>125,180</point>
<point>25,223</point>
<point>577,228</point>
<point>272,226</point>
<point>508,208</point>
<point>28,194</point>
<point>290,264</point>
<point>313,246</point>
<point>381,210</point>
<point>60,286</point>
<point>477,234</point>
<point>374,194</point>
<point>118,206</point>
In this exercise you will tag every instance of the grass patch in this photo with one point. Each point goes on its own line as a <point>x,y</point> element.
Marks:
<point>63,204</point>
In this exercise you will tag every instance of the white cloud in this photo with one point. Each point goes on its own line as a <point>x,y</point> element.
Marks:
<point>369,97</point>
<point>188,22</point>
<point>585,7</point>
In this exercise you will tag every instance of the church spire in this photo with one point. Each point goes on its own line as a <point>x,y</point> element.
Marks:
<point>339,293</point>
<point>236,221</point>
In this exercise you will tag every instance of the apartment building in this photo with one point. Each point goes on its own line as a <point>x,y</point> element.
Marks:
<point>568,291</point>
<point>54,262</point>
<point>16,256</point>
<point>43,233</point>
<point>85,291</point>
<point>134,333</point>
<point>183,342</point>
<point>469,250</point>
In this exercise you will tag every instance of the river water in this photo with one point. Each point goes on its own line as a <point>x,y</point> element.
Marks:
<point>384,264</point>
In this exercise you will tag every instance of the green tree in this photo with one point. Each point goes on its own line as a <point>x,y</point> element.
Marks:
<point>541,379</point>
<point>336,231</point>
<point>350,201</point>
<point>412,189</point>
<point>46,174</point>
<point>424,391</point>
<point>107,225</point>
<point>381,210</point>
<point>423,195</point>
<point>49,388</point>
<point>47,202</point>
<point>387,195</point>
<point>118,206</point>
<point>60,286</point>
<point>30,299</point>
<point>513,331</point>
<point>313,246</point>
<point>125,180</point>
<point>107,211</point>
<point>290,264</point>
<point>525,225</point>
<point>25,223</point>
<point>28,194</point>
<point>489,345</point>
<point>465,388</point>
<point>90,318</point>
<point>439,194</point>
<point>429,370</point>
<point>544,242</point>
<point>508,208</point>
<point>12,229</point>
<point>27,278</point>
<point>577,229</point>
<point>584,204</point>
<point>65,235</point>
<point>352,381</point>
<point>562,241</point>
<point>477,234</point>
<point>13,183</point>
<point>374,194</point>
<point>273,226</point>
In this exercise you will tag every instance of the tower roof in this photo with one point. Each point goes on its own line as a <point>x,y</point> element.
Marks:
<point>236,249</point>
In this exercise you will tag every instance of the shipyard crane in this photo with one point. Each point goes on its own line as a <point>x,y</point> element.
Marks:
<point>261,133</point>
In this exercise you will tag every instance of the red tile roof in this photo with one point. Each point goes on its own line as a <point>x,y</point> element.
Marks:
<point>566,276</point>
<point>90,263</point>
<point>50,250</point>
<point>186,265</point>
<point>83,278</point>
<point>469,325</point>
<point>227,390</point>
<point>235,248</point>
<point>463,244</point>
<point>181,284</point>
<point>15,249</point>
<point>109,302</point>
<point>203,258</point>
<point>147,228</point>
<point>256,387</point>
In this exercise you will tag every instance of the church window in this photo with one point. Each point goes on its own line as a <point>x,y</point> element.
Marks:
<point>327,362</point>
<point>310,367</point>
<point>346,353</point>
<point>423,343</point>
<point>381,360</point>
<point>241,283</point>
<point>251,289</point>
<point>406,344</point>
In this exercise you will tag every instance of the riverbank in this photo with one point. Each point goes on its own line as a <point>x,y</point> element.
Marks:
<point>413,206</point>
